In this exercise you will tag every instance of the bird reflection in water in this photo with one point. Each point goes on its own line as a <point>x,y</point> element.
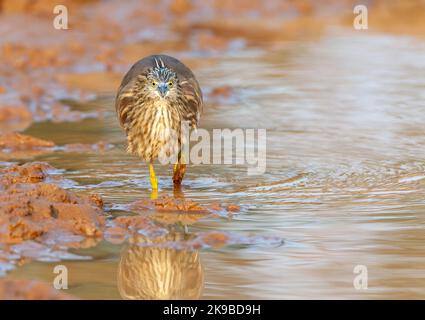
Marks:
<point>152,272</point>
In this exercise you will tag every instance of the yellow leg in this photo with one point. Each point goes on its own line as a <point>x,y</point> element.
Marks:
<point>179,171</point>
<point>154,194</point>
<point>154,181</point>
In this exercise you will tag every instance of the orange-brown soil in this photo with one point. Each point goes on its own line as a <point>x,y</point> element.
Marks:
<point>19,146</point>
<point>11,289</point>
<point>34,208</point>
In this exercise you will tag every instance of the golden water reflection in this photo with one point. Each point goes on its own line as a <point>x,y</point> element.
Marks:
<point>151,272</point>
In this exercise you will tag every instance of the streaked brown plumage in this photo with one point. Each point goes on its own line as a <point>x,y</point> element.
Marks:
<point>156,95</point>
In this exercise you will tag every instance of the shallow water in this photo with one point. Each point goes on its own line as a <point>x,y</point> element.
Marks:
<point>344,186</point>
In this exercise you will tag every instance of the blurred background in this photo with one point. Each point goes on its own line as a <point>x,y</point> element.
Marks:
<point>344,113</point>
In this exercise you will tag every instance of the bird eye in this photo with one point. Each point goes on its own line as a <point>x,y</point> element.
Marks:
<point>153,84</point>
<point>170,83</point>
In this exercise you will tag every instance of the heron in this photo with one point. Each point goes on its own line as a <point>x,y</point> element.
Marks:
<point>156,95</point>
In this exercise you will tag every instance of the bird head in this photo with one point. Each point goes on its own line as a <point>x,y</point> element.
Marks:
<point>162,83</point>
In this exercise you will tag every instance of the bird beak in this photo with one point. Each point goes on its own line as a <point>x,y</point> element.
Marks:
<point>163,89</point>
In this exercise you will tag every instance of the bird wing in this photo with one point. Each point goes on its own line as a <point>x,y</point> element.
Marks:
<point>125,96</point>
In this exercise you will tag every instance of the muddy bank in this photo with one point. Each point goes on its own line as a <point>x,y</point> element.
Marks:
<point>169,210</point>
<point>401,17</point>
<point>29,290</point>
<point>20,146</point>
<point>39,219</point>
<point>178,205</point>
<point>15,142</point>
<point>14,117</point>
